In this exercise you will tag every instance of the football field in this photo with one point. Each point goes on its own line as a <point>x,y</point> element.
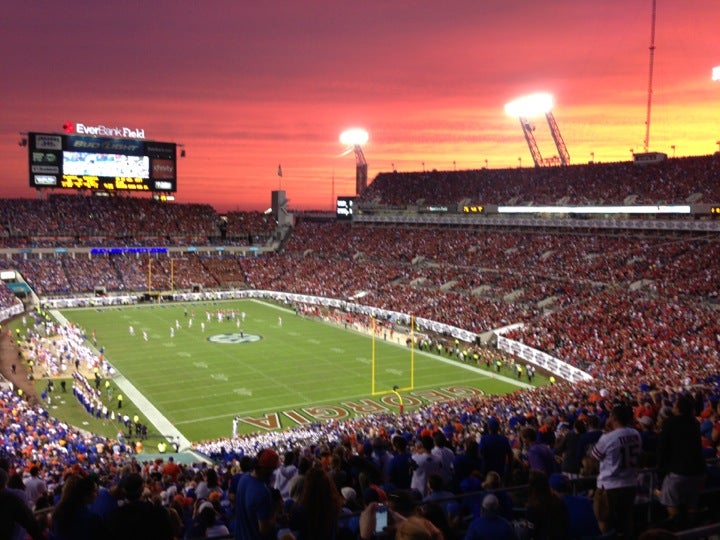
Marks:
<point>201,365</point>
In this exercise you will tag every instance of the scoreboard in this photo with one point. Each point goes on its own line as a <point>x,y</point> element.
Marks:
<point>344,208</point>
<point>101,164</point>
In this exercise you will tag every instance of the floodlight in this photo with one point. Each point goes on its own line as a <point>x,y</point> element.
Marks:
<point>354,139</point>
<point>354,136</point>
<point>716,73</point>
<point>530,105</point>
<point>538,104</point>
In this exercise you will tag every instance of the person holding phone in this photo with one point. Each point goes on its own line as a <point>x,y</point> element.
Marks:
<point>380,521</point>
<point>376,521</point>
<point>381,518</point>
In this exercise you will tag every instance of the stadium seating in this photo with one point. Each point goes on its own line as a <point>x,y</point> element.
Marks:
<point>638,311</point>
<point>674,181</point>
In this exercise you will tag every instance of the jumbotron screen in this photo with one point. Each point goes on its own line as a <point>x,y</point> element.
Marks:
<point>101,164</point>
<point>344,208</point>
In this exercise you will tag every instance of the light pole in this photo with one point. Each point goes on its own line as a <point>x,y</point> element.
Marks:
<point>354,139</point>
<point>673,149</point>
<point>716,78</point>
<point>538,104</point>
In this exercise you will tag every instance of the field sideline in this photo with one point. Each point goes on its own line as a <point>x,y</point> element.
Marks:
<point>193,368</point>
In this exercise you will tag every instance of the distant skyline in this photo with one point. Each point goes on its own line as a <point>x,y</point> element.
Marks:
<point>248,86</point>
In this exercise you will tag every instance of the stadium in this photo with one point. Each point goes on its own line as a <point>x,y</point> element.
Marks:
<point>138,329</point>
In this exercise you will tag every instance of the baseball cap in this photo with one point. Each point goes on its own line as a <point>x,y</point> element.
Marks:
<point>204,505</point>
<point>268,459</point>
<point>348,493</point>
<point>374,493</point>
<point>490,502</point>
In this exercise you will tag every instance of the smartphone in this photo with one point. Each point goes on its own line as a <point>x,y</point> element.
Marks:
<point>381,519</point>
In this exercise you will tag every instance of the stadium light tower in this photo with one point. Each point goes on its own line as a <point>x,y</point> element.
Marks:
<point>536,105</point>
<point>354,139</point>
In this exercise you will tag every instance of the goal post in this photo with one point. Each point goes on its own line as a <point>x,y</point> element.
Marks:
<point>399,377</point>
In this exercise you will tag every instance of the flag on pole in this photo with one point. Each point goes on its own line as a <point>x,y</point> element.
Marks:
<point>279,170</point>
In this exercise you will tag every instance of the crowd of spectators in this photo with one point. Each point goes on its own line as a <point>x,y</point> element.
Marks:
<point>436,463</point>
<point>636,312</point>
<point>256,226</point>
<point>628,333</point>
<point>92,221</point>
<point>7,297</point>
<point>65,274</point>
<point>79,220</point>
<point>674,181</point>
<point>588,300</point>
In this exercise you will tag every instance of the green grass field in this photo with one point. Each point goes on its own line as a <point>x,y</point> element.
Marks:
<point>276,376</point>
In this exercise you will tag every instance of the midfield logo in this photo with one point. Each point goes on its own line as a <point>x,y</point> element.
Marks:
<point>233,339</point>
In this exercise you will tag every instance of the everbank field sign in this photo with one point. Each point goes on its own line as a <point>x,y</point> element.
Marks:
<point>103,131</point>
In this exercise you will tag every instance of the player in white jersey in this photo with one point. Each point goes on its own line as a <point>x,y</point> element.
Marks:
<point>618,454</point>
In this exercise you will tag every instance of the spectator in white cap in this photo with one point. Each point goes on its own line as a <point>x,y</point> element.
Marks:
<point>489,525</point>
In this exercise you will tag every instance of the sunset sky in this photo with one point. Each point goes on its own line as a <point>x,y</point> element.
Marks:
<point>247,85</point>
